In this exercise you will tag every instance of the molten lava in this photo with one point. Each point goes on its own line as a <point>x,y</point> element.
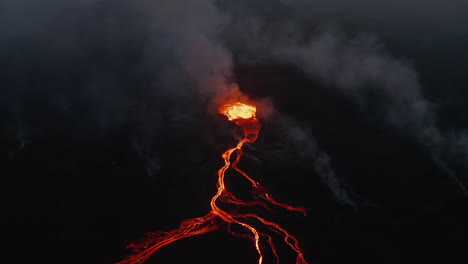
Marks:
<point>245,116</point>
<point>238,111</point>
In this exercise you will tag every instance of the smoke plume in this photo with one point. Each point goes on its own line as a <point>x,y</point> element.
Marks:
<point>386,88</point>
<point>101,65</point>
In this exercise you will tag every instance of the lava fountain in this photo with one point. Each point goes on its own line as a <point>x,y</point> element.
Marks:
<point>257,228</point>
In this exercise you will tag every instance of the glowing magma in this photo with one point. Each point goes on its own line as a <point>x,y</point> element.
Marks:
<point>238,111</point>
<point>243,115</point>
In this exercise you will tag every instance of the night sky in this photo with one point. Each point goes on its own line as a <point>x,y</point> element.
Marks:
<point>109,127</point>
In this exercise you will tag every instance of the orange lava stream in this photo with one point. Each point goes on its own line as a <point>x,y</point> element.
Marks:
<point>244,116</point>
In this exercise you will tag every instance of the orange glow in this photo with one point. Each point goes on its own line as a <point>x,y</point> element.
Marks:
<point>244,116</point>
<point>238,111</point>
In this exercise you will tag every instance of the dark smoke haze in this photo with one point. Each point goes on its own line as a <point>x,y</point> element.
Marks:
<point>152,72</point>
<point>52,49</point>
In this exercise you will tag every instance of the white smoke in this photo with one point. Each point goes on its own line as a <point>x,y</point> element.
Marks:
<point>192,28</point>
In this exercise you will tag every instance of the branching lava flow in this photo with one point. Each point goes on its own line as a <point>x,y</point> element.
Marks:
<point>243,115</point>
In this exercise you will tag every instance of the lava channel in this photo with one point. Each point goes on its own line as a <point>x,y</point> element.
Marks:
<point>244,115</point>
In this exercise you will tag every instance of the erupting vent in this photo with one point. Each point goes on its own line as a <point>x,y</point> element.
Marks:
<point>243,115</point>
